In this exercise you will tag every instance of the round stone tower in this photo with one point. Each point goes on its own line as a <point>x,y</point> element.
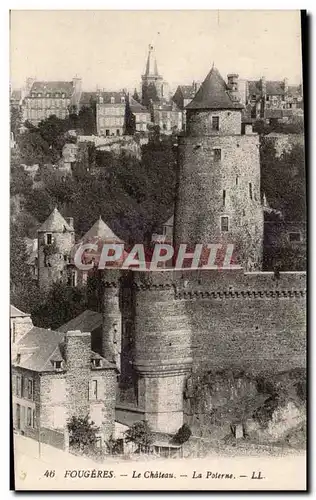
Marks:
<point>56,238</point>
<point>162,349</point>
<point>112,316</point>
<point>218,191</point>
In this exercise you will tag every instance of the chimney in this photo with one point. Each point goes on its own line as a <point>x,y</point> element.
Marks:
<point>76,82</point>
<point>77,350</point>
<point>70,222</point>
<point>263,84</point>
<point>232,85</point>
<point>286,85</point>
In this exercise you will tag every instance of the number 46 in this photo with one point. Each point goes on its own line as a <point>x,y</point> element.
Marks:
<point>49,473</point>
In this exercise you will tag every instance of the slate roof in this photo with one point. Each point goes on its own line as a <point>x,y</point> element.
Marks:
<point>87,97</point>
<point>60,87</point>
<point>170,221</point>
<point>16,313</point>
<point>188,91</point>
<point>88,321</point>
<point>108,95</point>
<point>213,94</point>
<point>102,231</point>
<point>136,107</point>
<point>39,347</point>
<point>273,87</point>
<point>55,222</point>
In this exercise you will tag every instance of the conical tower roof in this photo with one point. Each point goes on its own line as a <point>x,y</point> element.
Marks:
<point>55,223</point>
<point>213,94</point>
<point>101,231</point>
<point>151,65</point>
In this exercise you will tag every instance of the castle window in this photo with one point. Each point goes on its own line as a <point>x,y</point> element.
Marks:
<point>224,224</point>
<point>250,190</point>
<point>112,100</point>
<point>217,154</point>
<point>295,237</point>
<point>224,197</point>
<point>117,131</point>
<point>122,99</point>
<point>49,238</point>
<point>215,123</point>
<point>107,132</point>
<point>237,179</point>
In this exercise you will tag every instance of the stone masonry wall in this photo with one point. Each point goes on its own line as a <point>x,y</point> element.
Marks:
<point>55,266</point>
<point>208,190</point>
<point>200,123</point>
<point>252,321</point>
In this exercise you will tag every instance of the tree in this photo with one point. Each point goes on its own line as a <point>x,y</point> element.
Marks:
<point>183,435</point>
<point>61,303</point>
<point>82,434</point>
<point>87,119</point>
<point>140,434</point>
<point>15,119</point>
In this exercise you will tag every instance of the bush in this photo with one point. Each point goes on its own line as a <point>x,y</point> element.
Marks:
<point>183,435</point>
<point>140,434</point>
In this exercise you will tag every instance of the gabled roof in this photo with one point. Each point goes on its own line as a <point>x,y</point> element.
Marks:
<point>16,313</point>
<point>55,223</point>
<point>39,347</point>
<point>102,231</point>
<point>88,321</point>
<point>188,91</point>
<point>170,221</point>
<point>60,87</point>
<point>213,94</point>
<point>136,107</point>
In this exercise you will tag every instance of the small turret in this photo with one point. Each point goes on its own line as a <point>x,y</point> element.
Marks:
<point>56,238</point>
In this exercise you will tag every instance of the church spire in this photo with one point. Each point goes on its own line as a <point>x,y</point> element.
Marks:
<point>151,65</point>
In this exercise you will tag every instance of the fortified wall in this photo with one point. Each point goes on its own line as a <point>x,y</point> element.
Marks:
<point>201,320</point>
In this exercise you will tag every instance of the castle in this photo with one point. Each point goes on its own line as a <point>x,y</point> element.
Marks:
<point>173,323</point>
<point>178,322</point>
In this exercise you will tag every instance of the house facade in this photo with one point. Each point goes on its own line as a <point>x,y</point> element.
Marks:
<point>46,98</point>
<point>55,376</point>
<point>111,113</point>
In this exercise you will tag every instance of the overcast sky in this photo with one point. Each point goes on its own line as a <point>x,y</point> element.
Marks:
<point>109,48</point>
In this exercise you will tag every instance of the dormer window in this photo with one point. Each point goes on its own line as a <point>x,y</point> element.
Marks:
<point>63,95</point>
<point>122,99</point>
<point>39,95</point>
<point>57,365</point>
<point>47,95</point>
<point>96,363</point>
<point>112,100</point>
<point>56,95</point>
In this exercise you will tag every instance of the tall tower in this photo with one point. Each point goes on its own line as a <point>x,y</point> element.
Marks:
<point>56,238</point>
<point>152,82</point>
<point>218,191</point>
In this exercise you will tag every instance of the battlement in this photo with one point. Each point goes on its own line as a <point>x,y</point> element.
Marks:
<point>219,284</point>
